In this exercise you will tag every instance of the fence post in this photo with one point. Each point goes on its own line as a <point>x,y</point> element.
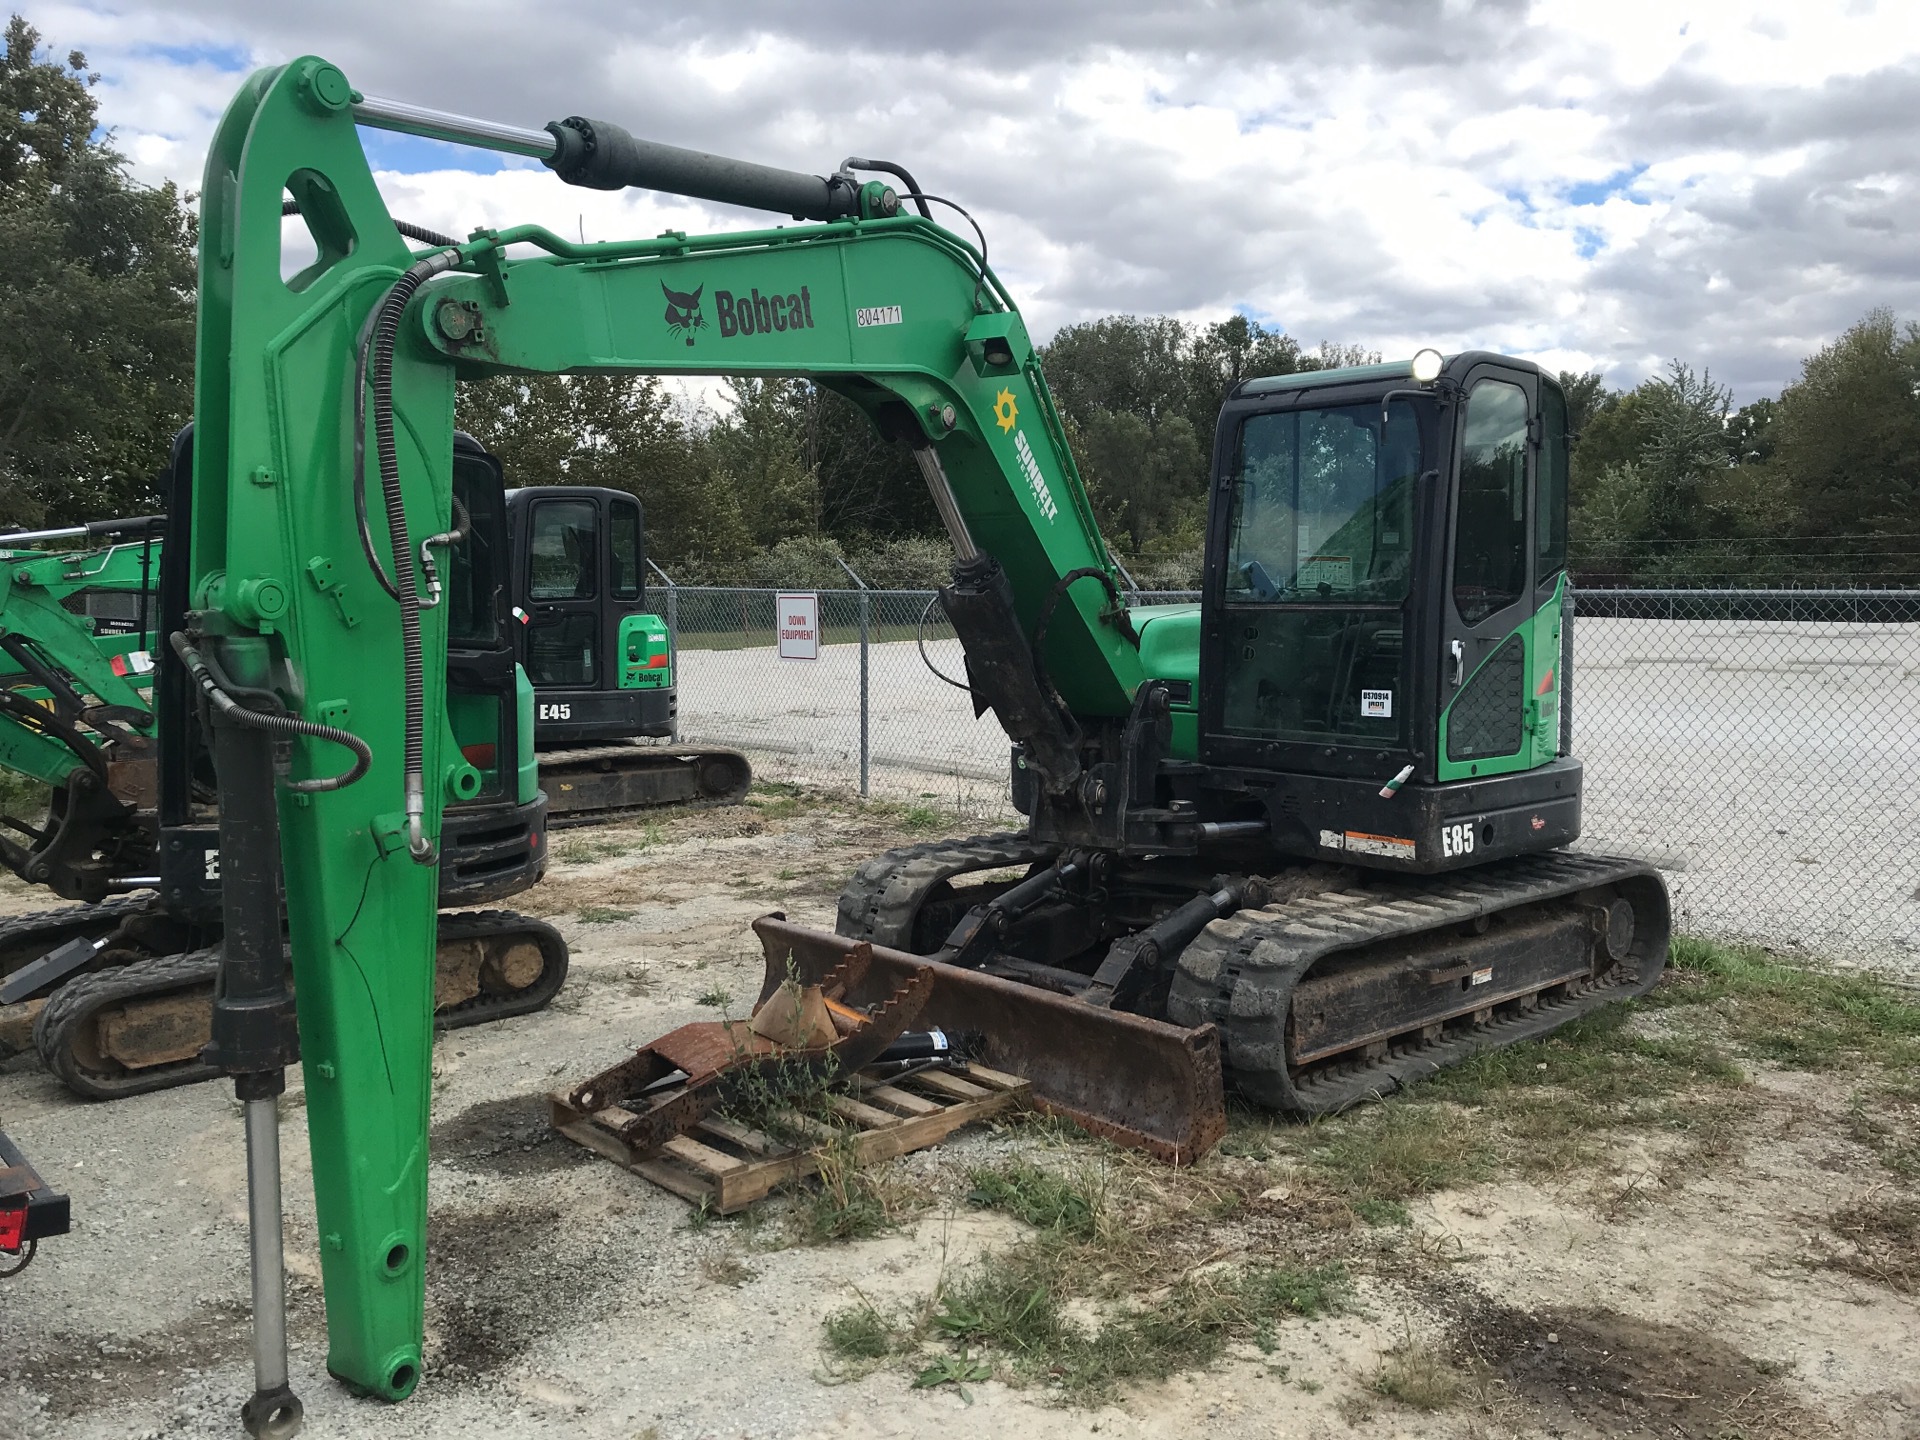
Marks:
<point>673,641</point>
<point>865,611</point>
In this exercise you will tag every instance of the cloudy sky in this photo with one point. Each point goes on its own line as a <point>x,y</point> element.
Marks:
<point>1594,185</point>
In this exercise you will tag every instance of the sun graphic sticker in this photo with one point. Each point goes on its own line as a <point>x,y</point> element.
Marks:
<point>1004,410</point>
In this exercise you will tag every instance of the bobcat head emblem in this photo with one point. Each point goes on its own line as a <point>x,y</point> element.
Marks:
<point>683,312</point>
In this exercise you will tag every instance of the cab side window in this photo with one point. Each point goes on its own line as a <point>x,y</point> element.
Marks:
<point>1490,539</point>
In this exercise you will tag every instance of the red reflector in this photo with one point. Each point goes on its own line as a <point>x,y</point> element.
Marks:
<point>658,662</point>
<point>478,756</point>
<point>13,1224</point>
<point>119,664</point>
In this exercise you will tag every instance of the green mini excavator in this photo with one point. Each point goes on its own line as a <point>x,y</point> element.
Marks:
<point>1319,816</point>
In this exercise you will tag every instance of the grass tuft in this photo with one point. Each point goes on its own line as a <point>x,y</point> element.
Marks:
<point>1418,1376</point>
<point>1040,1198</point>
<point>603,915</point>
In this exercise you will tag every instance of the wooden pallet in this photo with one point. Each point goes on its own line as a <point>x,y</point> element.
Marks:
<point>729,1166</point>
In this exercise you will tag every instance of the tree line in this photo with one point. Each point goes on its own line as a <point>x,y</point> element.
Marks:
<point>1670,483</point>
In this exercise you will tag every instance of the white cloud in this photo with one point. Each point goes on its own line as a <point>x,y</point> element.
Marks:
<point>1592,185</point>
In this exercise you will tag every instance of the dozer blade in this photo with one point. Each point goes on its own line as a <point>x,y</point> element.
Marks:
<point>1137,1082</point>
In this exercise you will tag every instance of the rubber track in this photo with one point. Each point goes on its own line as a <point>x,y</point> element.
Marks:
<point>1240,972</point>
<point>44,930</point>
<point>651,757</point>
<point>886,893</point>
<point>76,1003</point>
<point>464,924</point>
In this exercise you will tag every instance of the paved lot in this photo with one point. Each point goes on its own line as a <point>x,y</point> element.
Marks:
<point>1768,767</point>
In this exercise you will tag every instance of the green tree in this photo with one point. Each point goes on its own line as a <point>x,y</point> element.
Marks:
<point>96,302</point>
<point>1221,355</point>
<point>1140,479</point>
<point>1587,394</point>
<point>623,432</point>
<point>1847,437</point>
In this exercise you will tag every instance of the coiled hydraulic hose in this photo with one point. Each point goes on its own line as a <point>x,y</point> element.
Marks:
<point>287,725</point>
<point>375,361</point>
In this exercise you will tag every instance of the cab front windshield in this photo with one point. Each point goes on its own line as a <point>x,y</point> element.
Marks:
<point>1323,506</point>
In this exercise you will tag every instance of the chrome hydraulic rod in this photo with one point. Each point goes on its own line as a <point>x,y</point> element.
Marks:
<point>274,1412</point>
<point>405,119</point>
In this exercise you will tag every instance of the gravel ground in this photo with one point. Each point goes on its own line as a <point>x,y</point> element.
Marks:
<point>569,1298</point>
<point>1763,766</point>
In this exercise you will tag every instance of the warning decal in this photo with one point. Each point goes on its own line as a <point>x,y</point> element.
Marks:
<point>1390,847</point>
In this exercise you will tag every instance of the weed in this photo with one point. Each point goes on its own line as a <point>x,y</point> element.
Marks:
<point>587,851</point>
<point>1014,1304</point>
<point>1793,1015</point>
<point>602,915</point>
<point>861,1332</point>
<point>1395,1152</point>
<point>726,1269</point>
<point>922,818</point>
<point>1041,1198</point>
<point>1247,1146</point>
<point>955,1370</point>
<point>1379,1212</point>
<point>783,800</point>
<point>1418,1376</point>
<point>847,1203</point>
<point>714,997</point>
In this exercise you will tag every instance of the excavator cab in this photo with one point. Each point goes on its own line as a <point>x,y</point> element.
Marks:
<point>599,662</point>
<point>1380,658</point>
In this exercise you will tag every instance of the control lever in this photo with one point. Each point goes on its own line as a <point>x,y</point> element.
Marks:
<point>1459,653</point>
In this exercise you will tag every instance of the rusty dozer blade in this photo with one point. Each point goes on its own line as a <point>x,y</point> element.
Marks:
<point>1137,1082</point>
<point>710,1053</point>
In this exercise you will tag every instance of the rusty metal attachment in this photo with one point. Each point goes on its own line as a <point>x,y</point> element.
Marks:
<point>1140,1083</point>
<point>670,1085</point>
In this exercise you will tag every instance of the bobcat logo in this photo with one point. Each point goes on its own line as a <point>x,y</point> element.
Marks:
<point>683,312</point>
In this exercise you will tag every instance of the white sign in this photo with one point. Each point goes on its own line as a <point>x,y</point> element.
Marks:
<point>1376,704</point>
<point>798,625</point>
<point>868,315</point>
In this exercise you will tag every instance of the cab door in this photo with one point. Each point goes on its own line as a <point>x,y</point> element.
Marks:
<point>564,644</point>
<point>1489,651</point>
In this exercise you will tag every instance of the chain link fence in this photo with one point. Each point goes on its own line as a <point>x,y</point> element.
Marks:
<point>1758,745</point>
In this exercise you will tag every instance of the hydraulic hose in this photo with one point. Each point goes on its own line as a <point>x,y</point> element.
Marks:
<point>375,362</point>
<point>462,527</point>
<point>405,227</point>
<point>287,725</point>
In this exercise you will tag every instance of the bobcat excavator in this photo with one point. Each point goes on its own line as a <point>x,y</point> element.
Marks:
<point>77,715</point>
<point>1319,815</point>
<point>116,994</point>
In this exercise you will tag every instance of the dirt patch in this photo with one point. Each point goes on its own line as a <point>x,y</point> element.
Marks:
<point>75,1375</point>
<point>505,1137</point>
<point>496,1280</point>
<point>1599,1373</point>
